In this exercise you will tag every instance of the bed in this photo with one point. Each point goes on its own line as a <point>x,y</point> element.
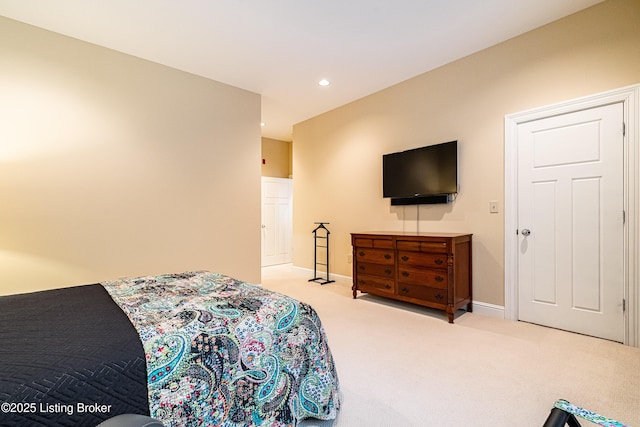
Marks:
<point>188,349</point>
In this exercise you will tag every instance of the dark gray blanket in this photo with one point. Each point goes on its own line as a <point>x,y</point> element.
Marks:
<point>68,357</point>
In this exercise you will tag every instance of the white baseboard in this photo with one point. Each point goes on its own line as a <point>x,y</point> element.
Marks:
<point>321,273</point>
<point>479,307</point>
<point>486,309</point>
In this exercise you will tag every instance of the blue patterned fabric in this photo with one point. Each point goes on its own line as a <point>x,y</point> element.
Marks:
<point>227,353</point>
<point>587,415</point>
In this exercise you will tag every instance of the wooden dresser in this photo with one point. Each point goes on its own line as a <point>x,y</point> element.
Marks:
<point>430,269</point>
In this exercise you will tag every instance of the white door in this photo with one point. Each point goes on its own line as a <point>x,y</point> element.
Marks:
<point>277,223</point>
<point>570,222</point>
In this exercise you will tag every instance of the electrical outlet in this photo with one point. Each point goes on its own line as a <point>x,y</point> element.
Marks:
<point>493,206</point>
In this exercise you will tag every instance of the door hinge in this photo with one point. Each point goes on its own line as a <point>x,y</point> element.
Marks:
<point>624,129</point>
<point>624,305</point>
<point>624,217</point>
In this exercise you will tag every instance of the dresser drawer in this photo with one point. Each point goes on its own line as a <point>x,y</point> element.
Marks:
<point>434,295</point>
<point>375,284</point>
<point>422,259</point>
<point>384,270</point>
<point>424,277</point>
<point>414,245</point>
<point>362,242</point>
<point>379,256</point>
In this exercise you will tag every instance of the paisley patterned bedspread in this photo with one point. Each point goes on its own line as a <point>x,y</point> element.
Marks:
<point>226,353</point>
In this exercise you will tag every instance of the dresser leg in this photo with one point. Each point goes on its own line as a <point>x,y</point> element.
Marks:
<point>450,315</point>
<point>355,291</point>
<point>469,308</point>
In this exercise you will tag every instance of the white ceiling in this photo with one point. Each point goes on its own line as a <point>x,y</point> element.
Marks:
<point>282,48</point>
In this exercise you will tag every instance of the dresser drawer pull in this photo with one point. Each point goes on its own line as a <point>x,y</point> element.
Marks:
<point>361,253</point>
<point>404,290</point>
<point>387,271</point>
<point>439,296</point>
<point>438,261</point>
<point>362,267</point>
<point>362,282</point>
<point>405,273</point>
<point>405,258</point>
<point>387,286</point>
<point>439,279</point>
<point>387,256</point>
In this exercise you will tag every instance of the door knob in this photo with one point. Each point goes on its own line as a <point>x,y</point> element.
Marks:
<point>526,232</point>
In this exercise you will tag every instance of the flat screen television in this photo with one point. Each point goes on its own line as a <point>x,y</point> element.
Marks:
<point>421,176</point>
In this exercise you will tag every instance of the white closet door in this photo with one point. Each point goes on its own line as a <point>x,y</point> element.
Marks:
<point>277,221</point>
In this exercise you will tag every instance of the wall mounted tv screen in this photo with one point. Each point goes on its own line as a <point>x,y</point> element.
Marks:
<point>422,175</point>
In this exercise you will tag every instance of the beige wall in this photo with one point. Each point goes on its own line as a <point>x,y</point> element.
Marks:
<point>276,158</point>
<point>337,156</point>
<point>113,166</point>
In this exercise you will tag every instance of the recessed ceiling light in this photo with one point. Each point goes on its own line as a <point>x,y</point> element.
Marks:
<point>324,82</point>
<point>262,124</point>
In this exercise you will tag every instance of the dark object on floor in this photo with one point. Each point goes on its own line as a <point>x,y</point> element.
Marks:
<point>564,413</point>
<point>131,420</point>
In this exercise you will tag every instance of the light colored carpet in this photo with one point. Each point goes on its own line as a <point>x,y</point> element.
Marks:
<point>405,365</point>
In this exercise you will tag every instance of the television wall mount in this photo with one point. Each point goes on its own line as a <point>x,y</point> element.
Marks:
<point>321,241</point>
